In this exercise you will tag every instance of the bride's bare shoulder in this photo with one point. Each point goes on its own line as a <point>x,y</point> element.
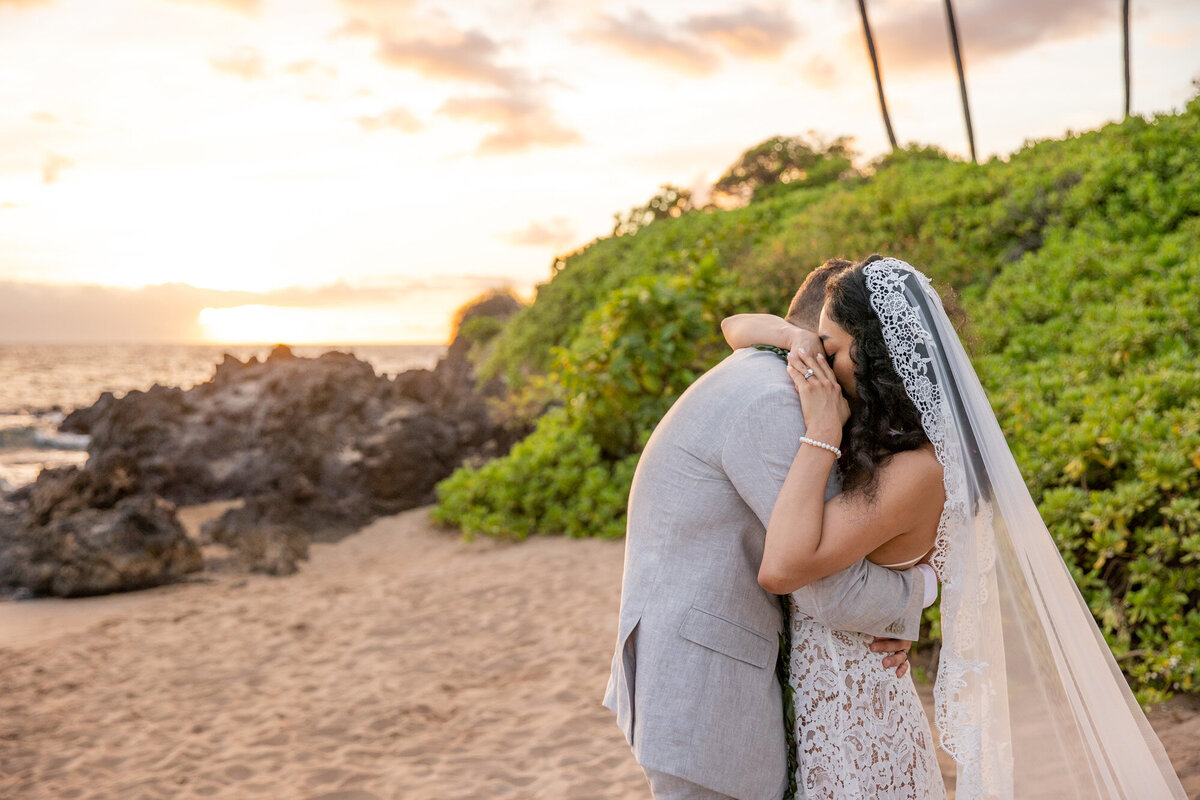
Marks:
<point>919,466</point>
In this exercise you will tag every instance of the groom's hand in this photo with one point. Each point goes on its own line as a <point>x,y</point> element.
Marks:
<point>897,650</point>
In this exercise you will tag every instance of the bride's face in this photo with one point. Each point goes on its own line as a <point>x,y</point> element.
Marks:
<point>838,345</point>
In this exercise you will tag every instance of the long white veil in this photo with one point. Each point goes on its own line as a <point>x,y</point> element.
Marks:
<point>1029,699</point>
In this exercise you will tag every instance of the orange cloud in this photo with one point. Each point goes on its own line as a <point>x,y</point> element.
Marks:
<point>521,123</point>
<point>248,7</point>
<point>640,36</point>
<point>52,166</point>
<point>751,32</point>
<point>245,62</point>
<point>170,312</point>
<point>395,118</point>
<point>471,57</point>
<point>915,38</point>
<point>556,232</point>
<point>310,67</point>
<point>520,117</point>
<point>820,72</point>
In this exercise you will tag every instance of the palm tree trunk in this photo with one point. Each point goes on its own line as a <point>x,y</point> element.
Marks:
<point>887,121</point>
<point>1125,33</point>
<point>962,79</point>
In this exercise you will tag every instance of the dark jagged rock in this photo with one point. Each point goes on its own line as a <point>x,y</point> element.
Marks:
<point>136,543</point>
<point>315,447</point>
<point>59,493</point>
<point>81,419</point>
<point>268,533</point>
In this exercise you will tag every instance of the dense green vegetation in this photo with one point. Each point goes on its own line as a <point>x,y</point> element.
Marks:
<point>1078,263</point>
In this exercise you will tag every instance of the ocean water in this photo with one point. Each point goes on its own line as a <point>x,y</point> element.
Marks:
<point>42,383</point>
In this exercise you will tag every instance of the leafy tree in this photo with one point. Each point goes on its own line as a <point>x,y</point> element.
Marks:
<point>670,202</point>
<point>779,162</point>
<point>908,154</point>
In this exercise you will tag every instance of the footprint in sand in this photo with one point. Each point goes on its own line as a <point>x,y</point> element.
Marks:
<point>238,772</point>
<point>325,775</point>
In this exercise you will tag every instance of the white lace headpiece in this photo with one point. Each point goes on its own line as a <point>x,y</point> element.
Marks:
<point>1028,698</point>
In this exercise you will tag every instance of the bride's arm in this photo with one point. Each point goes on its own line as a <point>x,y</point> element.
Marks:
<point>744,330</point>
<point>807,538</point>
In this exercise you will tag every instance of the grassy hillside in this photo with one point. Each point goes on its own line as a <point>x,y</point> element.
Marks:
<point>1078,263</point>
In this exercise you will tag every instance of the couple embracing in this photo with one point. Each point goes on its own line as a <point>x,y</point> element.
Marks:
<point>800,516</point>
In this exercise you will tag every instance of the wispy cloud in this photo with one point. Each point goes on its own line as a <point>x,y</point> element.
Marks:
<point>396,118</point>
<point>750,32</point>
<point>519,115</point>
<point>914,37</point>
<point>310,67</point>
<point>52,167</point>
<point>170,312</point>
<point>556,232</point>
<point>248,7</point>
<point>820,73</point>
<point>244,62</point>
<point>472,56</point>
<point>640,36</point>
<point>367,17</point>
<point>520,123</point>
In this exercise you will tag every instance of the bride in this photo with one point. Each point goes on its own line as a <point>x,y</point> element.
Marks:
<point>1028,699</point>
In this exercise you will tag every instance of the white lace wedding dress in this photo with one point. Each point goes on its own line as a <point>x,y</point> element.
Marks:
<point>861,732</point>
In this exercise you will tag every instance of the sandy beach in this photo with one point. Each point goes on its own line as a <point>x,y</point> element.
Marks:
<point>401,662</point>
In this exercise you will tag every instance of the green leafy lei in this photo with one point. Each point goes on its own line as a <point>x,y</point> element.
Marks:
<point>770,348</point>
<point>783,673</point>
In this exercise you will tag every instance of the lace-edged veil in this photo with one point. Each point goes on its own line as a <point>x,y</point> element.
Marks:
<point>1029,699</point>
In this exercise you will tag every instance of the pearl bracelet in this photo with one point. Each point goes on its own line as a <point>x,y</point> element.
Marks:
<point>821,445</point>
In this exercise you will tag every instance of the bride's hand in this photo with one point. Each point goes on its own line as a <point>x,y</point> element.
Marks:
<point>803,339</point>
<point>821,399</point>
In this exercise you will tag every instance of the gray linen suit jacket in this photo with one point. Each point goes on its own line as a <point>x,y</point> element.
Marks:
<point>693,676</point>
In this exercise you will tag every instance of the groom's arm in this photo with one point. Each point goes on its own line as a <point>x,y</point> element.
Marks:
<point>761,442</point>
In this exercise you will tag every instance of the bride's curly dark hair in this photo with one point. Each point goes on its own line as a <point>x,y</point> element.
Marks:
<point>883,420</point>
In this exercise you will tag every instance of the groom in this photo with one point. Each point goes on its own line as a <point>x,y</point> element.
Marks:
<point>693,679</point>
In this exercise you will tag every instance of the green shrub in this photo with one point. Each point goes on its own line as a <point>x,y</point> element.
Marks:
<point>553,481</point>
<point>1077,262</point>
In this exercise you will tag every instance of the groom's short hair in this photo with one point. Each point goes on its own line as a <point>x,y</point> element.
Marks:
<point>805,309</point>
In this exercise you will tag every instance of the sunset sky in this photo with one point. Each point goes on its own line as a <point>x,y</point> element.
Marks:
<point>354,170</point>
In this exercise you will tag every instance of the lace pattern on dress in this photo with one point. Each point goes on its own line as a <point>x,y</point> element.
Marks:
<point>861,732</point>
